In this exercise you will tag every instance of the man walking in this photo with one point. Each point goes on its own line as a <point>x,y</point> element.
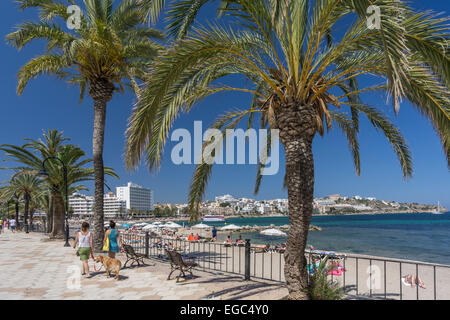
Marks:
<point>12,224</point>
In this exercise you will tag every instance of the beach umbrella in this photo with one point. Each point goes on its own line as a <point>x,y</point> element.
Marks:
<point>172,225</point>
<point>150,227</point>
<point>273,232</point>
<point>201,226</point>
<point>230,227</point>
<point>142,224</point>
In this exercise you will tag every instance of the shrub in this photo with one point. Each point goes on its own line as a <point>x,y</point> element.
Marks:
<point>320,288</point>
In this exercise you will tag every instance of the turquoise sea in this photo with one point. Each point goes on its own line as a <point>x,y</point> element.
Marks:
<point>414,236</point>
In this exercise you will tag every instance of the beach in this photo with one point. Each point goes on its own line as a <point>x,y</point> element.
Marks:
<point>365,276</point>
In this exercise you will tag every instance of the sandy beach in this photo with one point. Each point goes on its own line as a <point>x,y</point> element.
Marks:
<point>365,276</point>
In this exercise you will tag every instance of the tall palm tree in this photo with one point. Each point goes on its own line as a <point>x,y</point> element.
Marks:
<point>30,157</point>
<point>304,73</point>
<point>111,49</point>
<point>26,186</point>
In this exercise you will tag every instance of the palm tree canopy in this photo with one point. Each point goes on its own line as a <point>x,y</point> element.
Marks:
<point>290,52</point>
<point>24,185</point>
<point>110,44</point>
<point>31,155</point>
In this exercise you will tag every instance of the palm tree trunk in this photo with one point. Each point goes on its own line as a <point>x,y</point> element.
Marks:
<point>58,216</point>
<point>17,213</point>
<point>101,92</point>
<point>297,129</point>
<point>26,209</point>
<point>300,183</point>
<point>51,208</point>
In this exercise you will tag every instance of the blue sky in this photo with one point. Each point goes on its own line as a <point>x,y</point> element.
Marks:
<point>48,103</point>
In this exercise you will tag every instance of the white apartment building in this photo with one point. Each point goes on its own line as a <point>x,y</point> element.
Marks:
<point>136,197</point>
<point>113,206</point>
<point>225,198</point>
<point>84,205</point>
<point>81,204</point>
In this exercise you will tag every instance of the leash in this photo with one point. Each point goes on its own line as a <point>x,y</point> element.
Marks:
<point>95,264</point>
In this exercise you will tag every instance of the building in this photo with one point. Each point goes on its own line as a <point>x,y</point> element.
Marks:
<point>334,197</point>
<point>113,206</point>
<point>136,197</point>
<point>81,204</point>
<point>84,205</point>
<point>225,198</point>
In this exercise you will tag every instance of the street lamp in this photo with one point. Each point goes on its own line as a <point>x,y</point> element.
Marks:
<point>44,174</point>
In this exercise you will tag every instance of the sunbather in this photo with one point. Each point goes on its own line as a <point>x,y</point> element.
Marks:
<point>228,242</point>
<point>412,280</point>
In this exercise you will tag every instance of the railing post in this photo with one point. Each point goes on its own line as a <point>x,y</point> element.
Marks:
<point>147,243</point>
<point>247,259</point>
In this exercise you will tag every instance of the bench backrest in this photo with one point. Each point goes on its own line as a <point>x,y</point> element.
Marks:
<point>129,250</point>
<point>175,257</point>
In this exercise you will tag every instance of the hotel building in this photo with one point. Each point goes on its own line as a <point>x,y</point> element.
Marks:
<point>84,205</point>
<point>136,197</point>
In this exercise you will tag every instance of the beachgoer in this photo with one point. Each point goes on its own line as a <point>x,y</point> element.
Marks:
<point>196,237</point>
<point>229,241</point>
<point>191,237</point>
<point>240,241</point>
<point>214,233</point>
<point>115,242</point>
<point>12,224</point>
<point>1,225</point>
<point>413,280</point>
<point>85,245</point>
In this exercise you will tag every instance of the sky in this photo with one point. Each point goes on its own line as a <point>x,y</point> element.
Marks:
<point>51,104</point>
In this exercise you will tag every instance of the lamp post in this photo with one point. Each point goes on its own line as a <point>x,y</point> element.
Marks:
<point>44,173</point>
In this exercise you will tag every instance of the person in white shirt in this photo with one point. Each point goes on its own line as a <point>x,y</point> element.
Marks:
<point>85,245</point>
<point>12,224</point>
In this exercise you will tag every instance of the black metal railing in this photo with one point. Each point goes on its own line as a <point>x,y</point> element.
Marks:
<point>360,276</point>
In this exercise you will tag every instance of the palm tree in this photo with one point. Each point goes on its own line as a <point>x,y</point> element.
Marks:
<point>27,186</point>
<point>304,73</point>
<point>111,49</point>
<point>30,157</point>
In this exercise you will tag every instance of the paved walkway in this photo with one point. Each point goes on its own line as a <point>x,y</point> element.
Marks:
<point>32,267</point>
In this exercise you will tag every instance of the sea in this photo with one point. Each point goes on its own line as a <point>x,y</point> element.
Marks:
<point>413,236</point>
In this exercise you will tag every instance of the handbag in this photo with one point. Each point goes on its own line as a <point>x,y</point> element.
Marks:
<point>106,245</point>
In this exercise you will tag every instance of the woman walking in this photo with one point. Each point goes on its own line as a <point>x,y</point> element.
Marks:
<point>85,245</point>
<point>115,242</point>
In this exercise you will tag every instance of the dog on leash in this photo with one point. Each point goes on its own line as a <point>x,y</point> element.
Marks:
<point>110,264</point>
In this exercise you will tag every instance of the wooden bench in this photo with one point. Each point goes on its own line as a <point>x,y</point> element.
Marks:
<point>133,256</point>
<point>177,263</point>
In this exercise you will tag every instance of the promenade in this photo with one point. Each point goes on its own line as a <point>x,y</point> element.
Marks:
<point>32,267</point>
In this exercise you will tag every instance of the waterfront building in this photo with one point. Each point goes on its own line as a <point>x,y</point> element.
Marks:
<point>113,206</point>
<point>136,197</point>
<point>334,197</point>
<point>81,204</point>
<point>225,198</point>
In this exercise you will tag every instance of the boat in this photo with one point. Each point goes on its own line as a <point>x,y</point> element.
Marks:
<point>438,210</point>
<point>213,218</point>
